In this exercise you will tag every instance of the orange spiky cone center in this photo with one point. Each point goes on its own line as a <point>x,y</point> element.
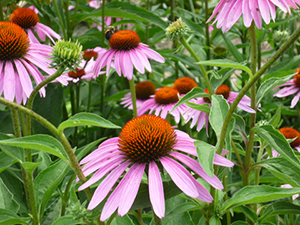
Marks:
<point>291,133</point>
<point>24,17</point>
<point>89,54</point>
<point>184,84</point>
<point>79,73</point>
<point>124,40</point>
<point>222,90</point>
<point>166,95</point>
<point>297,78</point>
<point>146,138</point>
<point>14,41</point>
<point>144,90</point>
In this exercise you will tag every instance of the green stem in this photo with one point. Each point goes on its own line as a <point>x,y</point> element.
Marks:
<point>236,153</point>
<point>1,12</point>
<point>157,220</point>
<point>249,84</point>
<point>29,104</point>
<point>257,169</point>
<point>133,97</point>
<point>27,176</point>
<point>60,20</point>
<point>103,22</point>
<point>88,108</point>
<point>66,7</point>
<point>103,81</point>
<point>65,197</point>
<point>194,55</point>
<point>228,217</point>
<point>207,32</point>
<point>75,13</point>
<point>60,136</point>
<point>140,217</point>
<point>253,102</point>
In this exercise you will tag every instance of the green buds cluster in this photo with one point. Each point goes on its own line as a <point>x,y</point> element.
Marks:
<point>219,52</point>
<point>177,29</point>
<point>67,54</point>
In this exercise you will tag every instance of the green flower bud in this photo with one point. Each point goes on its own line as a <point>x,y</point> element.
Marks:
<point>177,29</point>
<point>219,52</point>
<point>67,54</point>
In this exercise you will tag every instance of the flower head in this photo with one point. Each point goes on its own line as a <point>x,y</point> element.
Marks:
<point>143,91</point>
<point>67,54</point>
<point>127,52</point>
<point>29,20</point>
<point>162,103</point>
<point>252,10</point>
<point>177,29</point>
<point>145,141</point>
<point>200,117</point>
<point>18,60</point>
<point>184,84</point>
<point>290,87</point>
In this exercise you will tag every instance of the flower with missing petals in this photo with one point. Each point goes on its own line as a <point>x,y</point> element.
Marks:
<point>228,12</point>
<point>145,142</point>
<point>29,21</point>
<point>200,117</point>
<point>127,52</point>
<point>143,91</point>
<point>19,59</point>
<point>290,87</point>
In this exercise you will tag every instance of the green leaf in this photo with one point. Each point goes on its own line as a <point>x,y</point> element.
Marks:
<point>282,169</point>
<point>276,118</point>
<point>218,113</point>
<point>257,194</point>
<point>232,48</point>
<point>282,207</point>
<point>269,85</point>
<point>226,64</point>
<point>85,119</point>
<point>5,161</point>
<point>8,217</point>
<point>65,220</point>
<point>249,213</point>
<point>206,155</point>
<point>14,152</point>
<point>125,10</point>
<point>181,208</point>
<point>202,107</point>
<point>30,166</point>
<point>125,220</point>
<point>194,93</point>
<point>39,142</point>
<point>239,222</point>
<point>7,201</point>
<point>214,221</point>
<point>278,142</point>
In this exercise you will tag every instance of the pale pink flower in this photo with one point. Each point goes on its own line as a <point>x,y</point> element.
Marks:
<point>18,60</point>
<point>146,140</point>
<point>127,52</point>
<point>28,19</point>
<point>229,11</point>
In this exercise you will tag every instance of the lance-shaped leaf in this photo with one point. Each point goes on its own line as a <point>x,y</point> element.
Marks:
<point>278,142</point>
<point>206,155</point>
<point>85,119</point>
<point>218,113</point>
<point>7,201</point>
<point>8,217</point>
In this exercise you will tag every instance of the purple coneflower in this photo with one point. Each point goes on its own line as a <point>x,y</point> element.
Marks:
<point>200,117</point>
<point>292,87</point>
<point>143,91</point>
<point>127,51</point>
<point>18,59</point>
<point>29,20</point>
<point>251,10</point>
<point>145,142</point>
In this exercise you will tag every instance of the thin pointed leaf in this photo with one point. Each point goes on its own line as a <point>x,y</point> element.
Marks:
<point>218,113</point>
<point>206,155</point>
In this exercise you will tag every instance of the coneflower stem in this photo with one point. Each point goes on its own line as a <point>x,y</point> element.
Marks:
<point>253,103</point>
<point>207,32</point>
<point>60,20</point>
<point>75,12</point>
<point>65,196</point>
<point>1,12</point>
<point>103,21</point>
<point>249,84</point>
<point>157,220</point>
<point>27,176</point>
<point>66,8</point>
<point>194,55</point>
<point>133,97</point>
<point>228,216</point>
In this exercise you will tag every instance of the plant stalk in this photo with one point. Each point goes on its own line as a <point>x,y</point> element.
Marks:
<point>133,97</point>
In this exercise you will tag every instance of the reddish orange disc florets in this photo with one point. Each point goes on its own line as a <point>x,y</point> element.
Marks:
<point>146,138</point>
<point>297,78</point>
<point>184,84</point>
<point>144,89</point>
<point>14,41</point>
<point>223,90</point>
<point>166,95</point>
<point>79,73</point>
<point>89,54</point>
<point>291,133</point>
<point>124,40</point>
<point>24,17</point>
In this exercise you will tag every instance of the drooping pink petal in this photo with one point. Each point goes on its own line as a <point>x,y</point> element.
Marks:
<point>136,61</point>
<point>9,81</point>
<point>295,100</point>
<point>221,161</point>
<point>156,190</point>
<point>24,78</point>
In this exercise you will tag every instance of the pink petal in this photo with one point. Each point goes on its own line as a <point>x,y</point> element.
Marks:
<point>136,61</point>
<point>9,81</point>
<point>24,78</point>
<point>221,161</point>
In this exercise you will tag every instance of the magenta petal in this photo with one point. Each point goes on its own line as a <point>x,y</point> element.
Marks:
<point>24,78</point>
<point>104,188</point>
<point>136,61</point>
<point>221,161</point>
<point>9,81</point>
<point>130,189</point>
<point>156,190</point>
<point>295,100</point>
<point>151,54</point>
<point>181,177</point>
